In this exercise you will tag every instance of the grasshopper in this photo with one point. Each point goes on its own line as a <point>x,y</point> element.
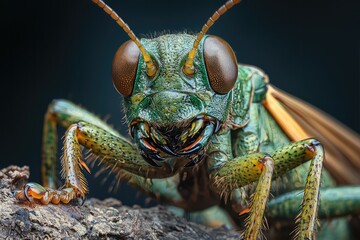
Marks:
<point>211,137</point>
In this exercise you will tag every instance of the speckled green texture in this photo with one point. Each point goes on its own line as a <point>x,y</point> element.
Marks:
<point>307,218</point>
<point>242,98</point>
<point>117,152</point>
<point>255,220</point>
<point>49,149</point>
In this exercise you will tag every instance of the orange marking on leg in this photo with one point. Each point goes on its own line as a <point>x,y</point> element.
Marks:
<point>310,152</point>
<point>262,162</point>
<point>246,210</point>
<point>260,166</point>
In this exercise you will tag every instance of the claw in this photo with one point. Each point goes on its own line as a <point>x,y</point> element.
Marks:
<point>32,191</point>
<point>26,189</point>
<point>200,142</point>
<point>35,189</point>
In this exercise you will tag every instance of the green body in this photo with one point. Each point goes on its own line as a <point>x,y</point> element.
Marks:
<point>250,153</point>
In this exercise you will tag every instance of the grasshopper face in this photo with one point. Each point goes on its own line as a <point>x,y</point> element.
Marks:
<point>172,115</point>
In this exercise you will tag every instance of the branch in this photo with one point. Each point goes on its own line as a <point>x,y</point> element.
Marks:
<point>95,219</point>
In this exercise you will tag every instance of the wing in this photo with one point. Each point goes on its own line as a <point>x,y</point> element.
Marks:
<point>300,120</point>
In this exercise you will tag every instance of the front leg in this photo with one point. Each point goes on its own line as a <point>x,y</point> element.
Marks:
<point>244,170</point>
<point>64,113</point>
<point>114,151</point>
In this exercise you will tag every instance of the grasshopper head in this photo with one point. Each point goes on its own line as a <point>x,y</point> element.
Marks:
<point>177,90</point>
<point>173,115</point>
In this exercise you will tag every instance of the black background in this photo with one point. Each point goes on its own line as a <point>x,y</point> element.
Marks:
<point>64,49</point>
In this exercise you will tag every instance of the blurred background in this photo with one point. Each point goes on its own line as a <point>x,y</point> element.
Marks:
<point>64,49</point>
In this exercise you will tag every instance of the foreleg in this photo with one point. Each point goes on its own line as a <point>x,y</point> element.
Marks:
<point>64,113</point>
<point>114,151</point>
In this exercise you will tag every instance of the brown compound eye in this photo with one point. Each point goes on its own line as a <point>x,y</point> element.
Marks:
<point>221,64</point>
<point>124,67</point>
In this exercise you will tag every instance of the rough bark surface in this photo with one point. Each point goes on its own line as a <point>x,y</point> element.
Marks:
<point>107,219</point>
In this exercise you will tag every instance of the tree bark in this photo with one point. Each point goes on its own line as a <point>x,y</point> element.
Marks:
<point>107,219</point>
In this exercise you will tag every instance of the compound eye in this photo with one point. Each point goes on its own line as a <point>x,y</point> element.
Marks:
<point>124,67</point>
<point>221,64</point>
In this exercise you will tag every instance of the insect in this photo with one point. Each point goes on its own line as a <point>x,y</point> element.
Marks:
<point>205,130</point>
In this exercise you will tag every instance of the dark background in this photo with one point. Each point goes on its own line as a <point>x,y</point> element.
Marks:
<point>64,49</point>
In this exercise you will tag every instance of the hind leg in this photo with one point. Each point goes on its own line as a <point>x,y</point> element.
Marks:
<point>336,203</point>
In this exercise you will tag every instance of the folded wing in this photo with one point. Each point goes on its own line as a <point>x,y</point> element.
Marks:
<point>300,120</point>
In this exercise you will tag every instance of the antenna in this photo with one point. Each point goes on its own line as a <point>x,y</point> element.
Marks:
<point>188,68</point>
<point>150,65</point>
